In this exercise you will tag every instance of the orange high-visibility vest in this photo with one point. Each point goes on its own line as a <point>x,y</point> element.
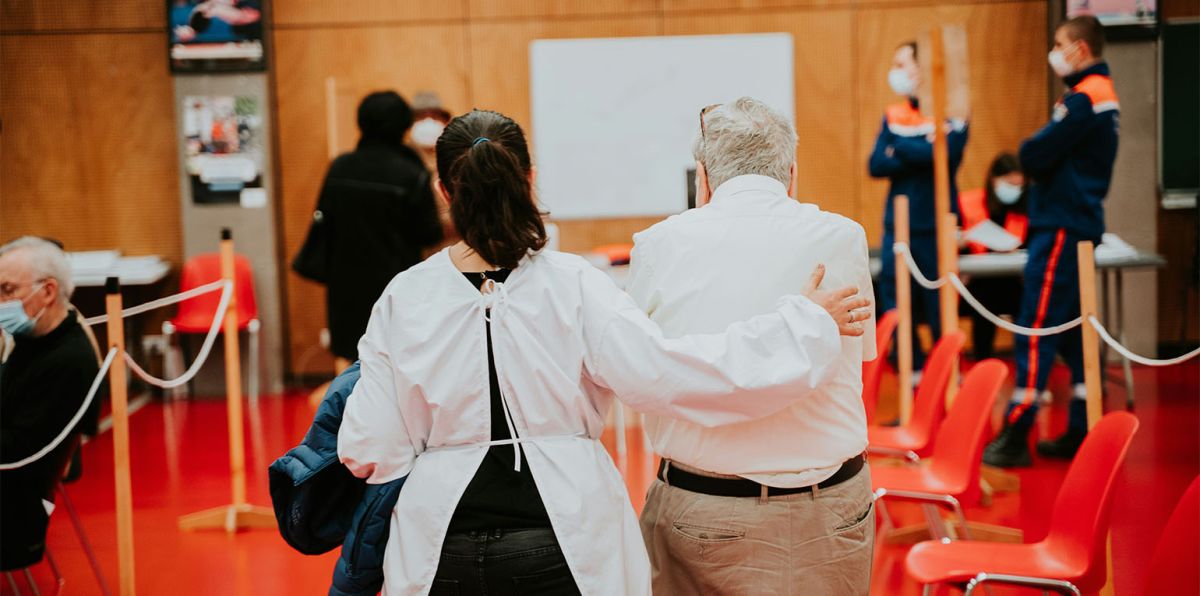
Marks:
<point>972,204</point>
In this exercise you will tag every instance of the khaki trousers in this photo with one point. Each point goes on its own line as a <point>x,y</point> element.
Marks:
<point>817,544</point>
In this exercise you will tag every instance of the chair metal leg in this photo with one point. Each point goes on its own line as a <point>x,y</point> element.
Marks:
<point>12,583</point>
<point>255,358</point>
<point>962,519</point>
<point>32,584</point>
<point>59,580</point>
<point>83,539</point>
<point>1057,586</point>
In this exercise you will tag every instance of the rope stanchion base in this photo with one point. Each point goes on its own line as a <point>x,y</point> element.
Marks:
<point>910,535</point>
<point>230,518</point>
<point>999,480</point>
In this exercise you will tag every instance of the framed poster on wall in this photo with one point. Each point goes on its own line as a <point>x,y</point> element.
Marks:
<point>216,35</point>
<point>223,149</point>
<point>1122,19</point>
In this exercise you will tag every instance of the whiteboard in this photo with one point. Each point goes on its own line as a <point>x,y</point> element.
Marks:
<point>614,119</point>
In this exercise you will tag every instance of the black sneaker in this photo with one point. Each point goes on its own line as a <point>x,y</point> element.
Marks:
<point>1064,447</point>
<point>1010,449</point>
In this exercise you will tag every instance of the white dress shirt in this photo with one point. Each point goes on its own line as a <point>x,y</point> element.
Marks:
<point>732,259</point>
<point>566,341</point>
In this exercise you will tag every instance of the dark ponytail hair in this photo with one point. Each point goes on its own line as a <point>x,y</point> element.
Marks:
<point>483,161</point>
<point>1005,163</point>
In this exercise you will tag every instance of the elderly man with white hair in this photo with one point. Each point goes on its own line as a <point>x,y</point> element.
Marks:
<point>43,383</point>
<point>782,504</point>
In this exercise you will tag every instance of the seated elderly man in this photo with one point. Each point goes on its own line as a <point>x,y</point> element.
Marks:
<point>779,505</point>
<point>43,383</point>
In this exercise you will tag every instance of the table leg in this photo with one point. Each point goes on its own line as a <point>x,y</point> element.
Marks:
<point>1125,364</point>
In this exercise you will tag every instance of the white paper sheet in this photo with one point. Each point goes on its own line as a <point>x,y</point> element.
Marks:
<point>991,235</point>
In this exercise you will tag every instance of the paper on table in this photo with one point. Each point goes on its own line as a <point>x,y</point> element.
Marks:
<point>1113,247</point>
<point>991,235</point>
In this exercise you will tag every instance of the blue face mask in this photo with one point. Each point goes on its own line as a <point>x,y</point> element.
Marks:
<point>13,318</point>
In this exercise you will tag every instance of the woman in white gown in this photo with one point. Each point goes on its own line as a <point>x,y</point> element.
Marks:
<point>487,371</point>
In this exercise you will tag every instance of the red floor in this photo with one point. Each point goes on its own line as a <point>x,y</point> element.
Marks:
<point>180,465</point>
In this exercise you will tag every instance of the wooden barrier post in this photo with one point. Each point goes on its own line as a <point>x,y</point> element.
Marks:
<point>239,514</point>
<point>948,247</point>
<point>1092,366</point>
<point>331,123</point>
<point>904,329</point>
<point>943,102</point>
<point>118,393</point>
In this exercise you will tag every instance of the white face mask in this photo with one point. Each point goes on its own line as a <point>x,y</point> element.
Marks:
<point>900,82</point>
<point>1007,193</point>
<point>1058,62</point>
<point>425,132</point>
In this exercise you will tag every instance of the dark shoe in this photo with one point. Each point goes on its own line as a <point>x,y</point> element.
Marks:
<point>1064,447</point>
<point>1010,449</point>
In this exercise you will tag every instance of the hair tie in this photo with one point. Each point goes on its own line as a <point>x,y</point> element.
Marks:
<point>480,140</point>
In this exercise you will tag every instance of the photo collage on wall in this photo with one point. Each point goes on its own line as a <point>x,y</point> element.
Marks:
<point>223,149</point>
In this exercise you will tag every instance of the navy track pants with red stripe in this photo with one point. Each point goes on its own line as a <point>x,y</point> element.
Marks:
<point>1050,297</point>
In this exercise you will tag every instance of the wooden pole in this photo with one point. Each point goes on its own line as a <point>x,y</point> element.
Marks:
<point>1092,373</point>
<point>120,417</point>
<point>949,296</point>
<point>904,330</point>
<point>947,251</point>
<point>1092,366</point>
<point>331,122</point>
<point>239,514</point>
<point>233,376</point>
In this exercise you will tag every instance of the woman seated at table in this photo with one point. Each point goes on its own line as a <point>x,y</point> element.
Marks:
<point>1002,200</point>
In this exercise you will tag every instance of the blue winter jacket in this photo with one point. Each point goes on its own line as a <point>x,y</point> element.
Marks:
<point>1070,160</point>
<point>319,504</point>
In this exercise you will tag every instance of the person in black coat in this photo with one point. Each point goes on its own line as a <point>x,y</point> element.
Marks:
<point>43,384</point>
<point>379,212</point>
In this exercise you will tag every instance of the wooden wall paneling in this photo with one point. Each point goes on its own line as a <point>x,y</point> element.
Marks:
<point>824,86</point>
<point>72,15</point>
<point>407,58</point>
<point>489,9</point>
<point>700,6</point>
<point>1007,44</point>
<point>89,138</point>
<point>363,12</point>
<point>582,235</point>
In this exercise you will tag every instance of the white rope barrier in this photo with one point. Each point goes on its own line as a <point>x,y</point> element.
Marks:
<point>161,302</point>
<point>902,249</point>
<point>1114,344</point>
<point>1001,323</point>
<point>222,306</point>
<point>87,401</point>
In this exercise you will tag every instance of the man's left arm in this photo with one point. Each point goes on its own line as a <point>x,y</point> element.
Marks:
<point>60,390</point>
<point>1041,153</point>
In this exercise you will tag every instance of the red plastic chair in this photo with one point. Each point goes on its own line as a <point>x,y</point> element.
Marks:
<point>915,439</point>
<point>195,316</point>
<point>1071,559</point>
<point>872,371</point>
<point>1175,567</point>
<point>951,475</point>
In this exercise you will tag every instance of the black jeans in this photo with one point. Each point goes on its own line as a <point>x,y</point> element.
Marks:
<point>503,562</point>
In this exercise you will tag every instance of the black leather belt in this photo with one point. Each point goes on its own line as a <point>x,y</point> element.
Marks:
<point>742,487</point>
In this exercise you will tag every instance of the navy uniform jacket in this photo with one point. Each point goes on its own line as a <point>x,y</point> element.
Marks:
<point>1070,160</point>
<point>903,155</point>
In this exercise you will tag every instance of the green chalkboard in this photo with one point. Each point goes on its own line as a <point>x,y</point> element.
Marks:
<point>1180,138</point>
